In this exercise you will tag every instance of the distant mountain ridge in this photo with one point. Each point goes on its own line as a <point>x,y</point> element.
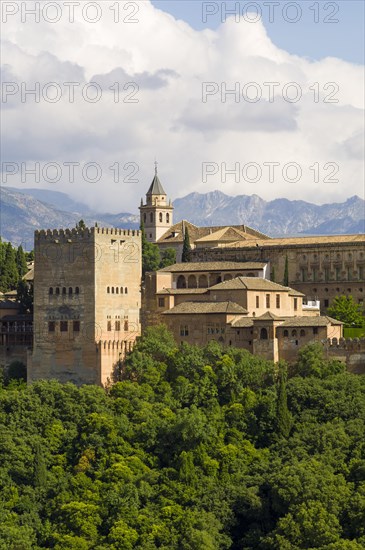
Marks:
<point>23,211</point>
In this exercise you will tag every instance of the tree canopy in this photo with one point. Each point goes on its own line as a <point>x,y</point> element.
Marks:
<point>345,309</point>
<point>194,449</point>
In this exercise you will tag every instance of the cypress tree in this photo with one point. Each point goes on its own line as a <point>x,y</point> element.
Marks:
<point>186,251</point>
<point>40,469</point>
<point>150,253</point>
<point>21,262</point>
<point>9,273</point>
<point>286,272</point>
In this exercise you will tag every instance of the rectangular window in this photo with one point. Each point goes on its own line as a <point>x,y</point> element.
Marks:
<point>64,326</point>
<point>337,270</point>
<point>51,326</point>
<point>315,330</point>
<point>326,274</point>
<point>161,302</point>
<point>295,304</point>
<point>303,274</point>
<point>184,330</point>
<point>361,271</point>
<point>349,273</point>
<point>314,271</point>
<point>109,326</point>
<point>326,303</point>
<point>257,301</point>
<point>278,301</point>
<point>117,326</point>
<point>267,300</point>
<point>76,326</point>
<point>126,326</point>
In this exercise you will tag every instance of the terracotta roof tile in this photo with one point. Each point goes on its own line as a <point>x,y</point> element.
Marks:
<point>249,283</point>
<point>213,266</point>
<point>192,308</point>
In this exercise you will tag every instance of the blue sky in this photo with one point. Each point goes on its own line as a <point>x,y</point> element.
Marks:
<point>344,39</point>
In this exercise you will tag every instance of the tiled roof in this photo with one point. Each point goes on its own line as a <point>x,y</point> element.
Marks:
<point>293,292</point>
<point>29,276</point>
<point>243,322</point>
<point>196,232</point>
<point>191,308</point>
<point>249,283</point>
<point>225,234</point>
<point>182,291</point>
<point>299,241</point>
<point>268,316</point>
<point>306,321</point>
<point>213,266</point>
<point>156,187</point>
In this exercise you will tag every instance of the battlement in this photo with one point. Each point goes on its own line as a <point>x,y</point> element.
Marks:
<point>353,344</point>
<point>77,234</point>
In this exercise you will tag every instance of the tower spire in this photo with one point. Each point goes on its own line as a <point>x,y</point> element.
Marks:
<point>156,163</point>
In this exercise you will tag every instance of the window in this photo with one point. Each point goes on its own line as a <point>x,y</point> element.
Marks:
<point>315,330</point>
<point>145,217</point>
<point>77,290</point>
<point>326,274</point>
<point>314,271</point>
<point>126,325</point>
<point>286,334</point>
<point>151,217</point>
<point>184,330</point>
<point>126,290</point>
<point>64,326</point>
<point>51,326</point>
<point>167,218</point>
<point>76,326</point>
<point>267,300</point>
<point>57,291</point>
<point>337,271</point>
<point>326,303</point>
<point>117,290</point>
<point>121,290</point>
<point>294,332</point>
<point>160,217</point>
<point>278,301</point>
<point>51,291</point>
<point>109,326</point>
<point>303,272</point>
<point>108,290</point>
<point>150,235</point>
<point>257,301</point>
<point>263,334</point>
<point>302,332</point>
<point>112,290</point>
<point>295,304</point>
<point>161,302</point>
<point>70,291</point>
<point>64,290</point>
<point>117,326</point>
<point>361,271</point>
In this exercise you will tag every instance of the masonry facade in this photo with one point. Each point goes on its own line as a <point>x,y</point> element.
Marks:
<point>86,303</point>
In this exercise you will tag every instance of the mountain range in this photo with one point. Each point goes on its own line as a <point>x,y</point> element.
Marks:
<point>24,210</point>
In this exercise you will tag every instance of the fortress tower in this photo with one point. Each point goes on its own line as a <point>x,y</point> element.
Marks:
<point>156,214</point>
<point>86,303</point>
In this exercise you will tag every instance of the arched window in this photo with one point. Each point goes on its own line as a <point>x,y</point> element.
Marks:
<point>70,290</point>
<point>77,290</point>
<point>203,281</point>
<point>117,290</point>
<point>108,289</point>
<point>294,332</point>
<point>64,290</point>
<point>302,332</point>
<point>192,281</point>
<point>181,283</point>
<point>51,291</point>
<point>112,290</point>
<point>167,218</point>
<point>121,290</point>
<point>57,291</point>
<point>151,217</point>
<point>286,334</point>
<point>263,334</point>
<point>144,218</point>
<point>160,217</point>
<point>126,290</point>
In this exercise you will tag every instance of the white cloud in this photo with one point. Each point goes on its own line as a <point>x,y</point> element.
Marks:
<point>169,61</point>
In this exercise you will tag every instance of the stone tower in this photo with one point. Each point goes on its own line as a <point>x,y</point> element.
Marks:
<point>86,303</point>
<point>157,213</point>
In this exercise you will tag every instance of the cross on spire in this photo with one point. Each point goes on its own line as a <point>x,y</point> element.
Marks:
<point>156,163</point>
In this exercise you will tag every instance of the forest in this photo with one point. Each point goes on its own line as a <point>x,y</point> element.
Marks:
<point>193,449</point>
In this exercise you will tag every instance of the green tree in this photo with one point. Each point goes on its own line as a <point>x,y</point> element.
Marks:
<point>286,272</point>
<point>345,309</point>
<point>8,269</point>
<point>150,254</point>
<point>25,297</point>
<point>186,251</point>
<point>80,226</point>
<point>283,416</point>
<point>21,261</point>
<point>168,257</point>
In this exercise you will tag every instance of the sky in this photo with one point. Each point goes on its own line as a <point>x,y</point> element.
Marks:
<point>248,98</point>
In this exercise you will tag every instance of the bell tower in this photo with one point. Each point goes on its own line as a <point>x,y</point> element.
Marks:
<point>156,214</point>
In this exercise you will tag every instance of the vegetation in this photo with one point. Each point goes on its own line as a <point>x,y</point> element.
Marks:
<point>194,449</point>
<point>345,309</point>
<point>186,251</point>
<point>286,272</point>
<point>13,265</point>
